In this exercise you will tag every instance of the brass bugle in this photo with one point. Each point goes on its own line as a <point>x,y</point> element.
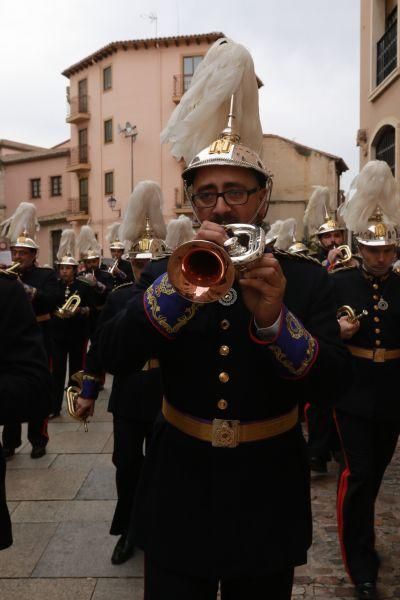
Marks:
<point>202,271</point>
<point>350,313</point>
<point>344,255</point>
<point>72,393</point>
<point>111,269</point>
<point>12,269</point>
<point>69,308</point>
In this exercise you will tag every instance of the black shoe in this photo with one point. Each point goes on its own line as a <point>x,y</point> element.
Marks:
<point>8,453</point>
<point>38,451</point>
<point>122,551</point>
<point>317,464</point>
<point>367,591</point>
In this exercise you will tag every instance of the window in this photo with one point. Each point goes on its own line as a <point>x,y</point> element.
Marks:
<point>55,185</point>
<point>108,131</point>
<point>190,64</point>
<point>385,146</point>
<point>387,48</point>
<point>83,195</point>
<point>107,78</point>
<point>83,145</point>
<point>109,183</point>
<point>35,188</point>
<point>82,96</point>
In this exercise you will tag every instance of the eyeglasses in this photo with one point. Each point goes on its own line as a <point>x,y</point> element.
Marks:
<point>233,197</point>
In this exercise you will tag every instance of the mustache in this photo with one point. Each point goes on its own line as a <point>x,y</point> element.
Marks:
<point>219,220</point>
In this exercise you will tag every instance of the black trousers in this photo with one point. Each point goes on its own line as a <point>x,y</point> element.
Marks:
<point>37,433</point>
<point>71,350</point>
<point>322,435</point>
<point>161,584</point>
<point>368,446</point>
<point>129,436</point>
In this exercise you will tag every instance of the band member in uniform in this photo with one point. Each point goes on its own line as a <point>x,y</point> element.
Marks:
<point>224,491</point>
<point>70,320</point>
<point>100,282</point>
<point>40,285</point>
<point>323,441</point>
<point>135,397</point>
<point>368,415</point>
<point>24,375</point>
<point>121,269</point>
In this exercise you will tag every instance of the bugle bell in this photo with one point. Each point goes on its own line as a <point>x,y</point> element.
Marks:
<point>72,393</point>
<point>344,255</point>
<point>203,272</point>
<point>69,308</point>
<point>350,313</point>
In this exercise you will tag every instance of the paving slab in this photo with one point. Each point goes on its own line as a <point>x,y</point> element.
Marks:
<point>56,511</point>
<point>109,447</point>
<point>50,589</point>
<point>84,550</point>
<point>24,461</point>
<point>49,484</point>
<point>98,426</point>
<point>30,540</point>
<point>75,461</point>
<point>99,484</point>
<point>76,442</point>
<point>119,589</point>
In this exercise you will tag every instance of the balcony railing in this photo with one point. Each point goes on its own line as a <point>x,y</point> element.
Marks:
<point>78,109</point>
<point>386,53</point>
<point>78,205</point>
<point>79,159</point>
<point>181,84</point>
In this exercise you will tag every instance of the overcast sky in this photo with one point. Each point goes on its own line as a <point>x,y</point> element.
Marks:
<point>305,51</point>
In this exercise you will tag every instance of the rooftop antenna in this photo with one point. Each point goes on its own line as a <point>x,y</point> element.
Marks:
<point>151,17</point>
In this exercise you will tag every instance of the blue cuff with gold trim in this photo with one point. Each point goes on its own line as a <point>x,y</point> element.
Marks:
<point>166,310</point>
<point>90,388</point>
<point>294,348</point>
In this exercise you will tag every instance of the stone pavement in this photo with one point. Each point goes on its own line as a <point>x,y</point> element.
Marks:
<point>61,506</point>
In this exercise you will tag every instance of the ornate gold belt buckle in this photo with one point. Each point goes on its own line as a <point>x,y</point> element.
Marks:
<point>379,355</point>
<point>225,433</point>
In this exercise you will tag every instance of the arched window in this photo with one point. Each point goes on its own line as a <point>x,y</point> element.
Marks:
<point>385,146</point>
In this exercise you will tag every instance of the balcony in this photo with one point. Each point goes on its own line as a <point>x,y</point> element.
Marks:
<point>78,109</point>
<point>386,53</point>
<point>78,209</point>
<point>181,84</point>
<point>79,159</point>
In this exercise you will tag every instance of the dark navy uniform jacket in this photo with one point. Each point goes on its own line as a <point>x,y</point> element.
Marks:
<point>76,326</point>
<point>136,394</point>
<point>212,511</point>
<point>24,377</point>
<point>373,392</point>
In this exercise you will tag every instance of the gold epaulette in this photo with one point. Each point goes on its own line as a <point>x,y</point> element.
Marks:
<point>118,287</point>
<point>297,256</point>
<point>344,268</point>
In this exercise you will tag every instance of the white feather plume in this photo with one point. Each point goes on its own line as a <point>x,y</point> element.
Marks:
<point>179,231</point>
<point>275,229</point>
<point>286,234</point>
<point>318,204</point>
<point>373,186</point>
<point>202,113</point>
<point>67,244</point>
<point>23,219</point>
<point>145,201</point>
<point>87,241</point>
<point>113,233</point>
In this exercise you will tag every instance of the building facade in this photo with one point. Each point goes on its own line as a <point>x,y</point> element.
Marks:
<point>379,133</point>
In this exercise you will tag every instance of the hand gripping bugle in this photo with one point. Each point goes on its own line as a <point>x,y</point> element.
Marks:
<point>350,313</point>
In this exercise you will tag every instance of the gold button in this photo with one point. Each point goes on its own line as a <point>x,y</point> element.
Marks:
<point>222,404</point>
<point>376,319</point>
<point>378,342</point>
<point>375,297</point>
<point>225,324</point>
<point>377,330</point>
<point>224,350</point>
<point>376,307</point>
<point>375,286</point>
<point>223,377</point>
